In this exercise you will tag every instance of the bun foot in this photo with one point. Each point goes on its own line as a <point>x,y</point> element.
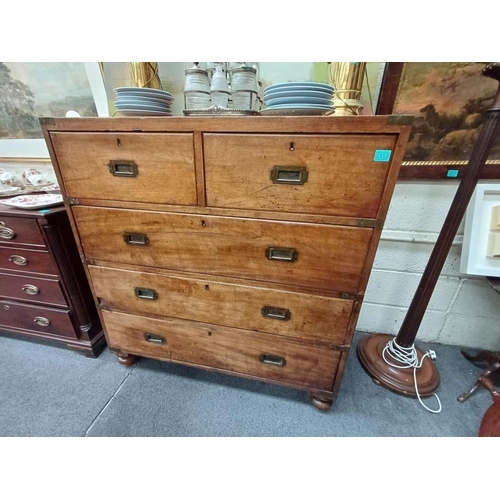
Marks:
<point>322,404</point>
<point>126,359</point>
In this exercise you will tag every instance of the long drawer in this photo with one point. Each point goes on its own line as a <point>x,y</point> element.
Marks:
<point>36,319</point>
<point>31,261</point>
<point>239,351</point>
<point>20,231</point>
<point>29,288</point>
<point>142,167</point>
<point>321,174</point>
<point>310,255</point>
<point>235,305</point>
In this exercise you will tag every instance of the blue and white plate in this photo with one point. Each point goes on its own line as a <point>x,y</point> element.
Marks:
<point>298,100</point>
<point>126,102</point>
<point>132,112</point>
<point>145,91</point>
<point>301,106</point>
<point>152,100</point>
<point>297,93</point>
<point>141,107</point>
<point>300,86</point>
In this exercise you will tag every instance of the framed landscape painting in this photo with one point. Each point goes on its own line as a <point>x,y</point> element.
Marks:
<point>31,90</point>
<point>449,101</point>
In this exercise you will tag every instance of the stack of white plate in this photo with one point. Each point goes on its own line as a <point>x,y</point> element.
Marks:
<point>137,101</point>
<point>298,98</point>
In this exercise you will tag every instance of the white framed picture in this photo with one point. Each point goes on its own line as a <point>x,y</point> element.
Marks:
<point>29,91</point>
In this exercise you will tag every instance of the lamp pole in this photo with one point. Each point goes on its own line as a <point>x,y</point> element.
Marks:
<point>370,348</point>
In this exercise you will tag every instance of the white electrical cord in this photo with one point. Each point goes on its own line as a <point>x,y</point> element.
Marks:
<point>407,357</point>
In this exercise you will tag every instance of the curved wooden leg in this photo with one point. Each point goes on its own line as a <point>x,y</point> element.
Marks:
<point>322,403</point>
<point>126,359</point>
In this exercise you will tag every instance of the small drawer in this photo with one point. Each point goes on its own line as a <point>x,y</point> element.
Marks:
<point>316,174</point>
<point>28,261</point>
<point>235,305</point>
<point>138,167</point>
<point>19,231</point>
<point>239,351</point>
<point>36,319</point>
<point>29,288</point>
<point>301,254</point>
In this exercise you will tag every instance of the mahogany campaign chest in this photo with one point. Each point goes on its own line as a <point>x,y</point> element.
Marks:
<point>237,244</point>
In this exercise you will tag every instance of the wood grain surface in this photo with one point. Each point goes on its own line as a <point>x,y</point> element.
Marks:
<point>18,315</point>
<point>210,301</point>
<point>225,348</point>
<point>19,231</point>
<point>330,257</point>
<point>37,261</point>
<point>48,291</point>
<point>165,166</point>
<point>343,178</point>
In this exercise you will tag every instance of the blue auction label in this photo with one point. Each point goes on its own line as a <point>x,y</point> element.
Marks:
<point>452,173</point>
<point>382,155</point>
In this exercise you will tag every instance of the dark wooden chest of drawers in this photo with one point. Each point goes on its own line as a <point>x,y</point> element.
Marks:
<point>44,292</point>
<point>242,245</point>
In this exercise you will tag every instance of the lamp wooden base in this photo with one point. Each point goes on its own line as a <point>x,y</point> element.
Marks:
<point>399,380</point>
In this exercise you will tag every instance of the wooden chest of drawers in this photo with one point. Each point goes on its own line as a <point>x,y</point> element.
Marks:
<point>242,245</point>
<point>44,292</point>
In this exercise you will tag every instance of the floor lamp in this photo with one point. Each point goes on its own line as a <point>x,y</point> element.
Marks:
<point>374,350</point>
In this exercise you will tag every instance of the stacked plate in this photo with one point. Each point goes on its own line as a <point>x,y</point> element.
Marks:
<point>137,101</point>
<point>307,98</point>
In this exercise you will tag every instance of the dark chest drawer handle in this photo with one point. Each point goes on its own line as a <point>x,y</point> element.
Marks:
<point>271,359</point>
<point>30,289</point>
<point>276,313</point>
<point>289,175</point>
<point>18,260</point>
<point>146,293</point>
<point>6,232</point>
<point>154,338</point>
<point>283,254</point>
<point>40,320</point>
<point>135,239</point>
<point>123,168</point>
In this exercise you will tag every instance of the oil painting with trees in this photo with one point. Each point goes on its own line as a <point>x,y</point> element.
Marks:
<point>30,90</point>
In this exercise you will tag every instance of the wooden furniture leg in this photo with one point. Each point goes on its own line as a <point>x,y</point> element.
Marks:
<point>494,367</point>
<point>126,359</point>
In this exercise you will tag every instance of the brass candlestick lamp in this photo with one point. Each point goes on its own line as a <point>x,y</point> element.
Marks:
<point>347,80</point>
<point>144,75</point>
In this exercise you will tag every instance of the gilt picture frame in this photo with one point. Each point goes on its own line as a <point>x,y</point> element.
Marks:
<point>448,101</point>
<point>83,92</point>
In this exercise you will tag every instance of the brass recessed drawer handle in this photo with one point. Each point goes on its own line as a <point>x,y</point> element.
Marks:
<point>40,320</point>
<point>271,359</point>
<point>123,168</point>
<point>289,175</point>
<point>135,239</point>
<point>154,339</point>
<point>146,293</point>
<point>18,260</point>
<point>276,313</point>
<point>284,254</point>
<point>6,232</point>
<point>30,289</point>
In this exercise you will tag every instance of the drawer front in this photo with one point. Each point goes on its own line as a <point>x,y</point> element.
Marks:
<point>239,351</point>
<point>36,319</point>
<point>142,167</point>
<point>19,231</point>
<point>31,289</point>
<point>260,309</point>
<point>30,261</point>
<point>320,174</point>
<point>311,255</point>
